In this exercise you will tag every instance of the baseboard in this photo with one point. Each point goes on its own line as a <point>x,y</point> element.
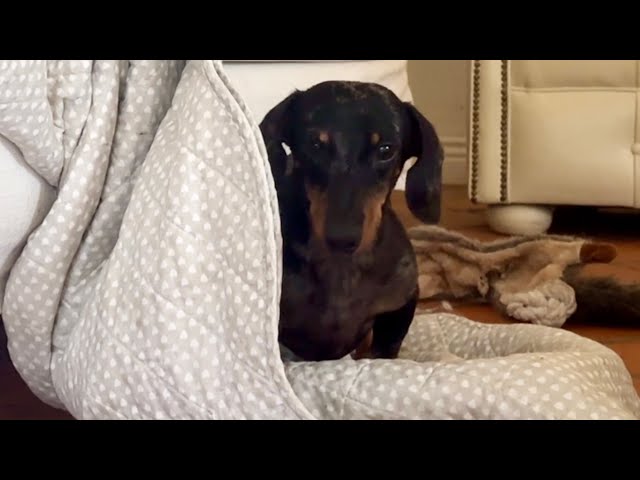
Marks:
<point>454,169</point>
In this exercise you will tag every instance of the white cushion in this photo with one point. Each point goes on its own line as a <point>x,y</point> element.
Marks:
<point>263,84</point>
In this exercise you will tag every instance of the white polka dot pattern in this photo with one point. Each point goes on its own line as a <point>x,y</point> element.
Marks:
<point>453,368</point>
<point>159,261</point>
<point>37,279</point>
<point>26,117</point>
<point>151,289</point>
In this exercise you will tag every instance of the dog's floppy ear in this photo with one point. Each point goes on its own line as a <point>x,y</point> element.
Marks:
<point>275,129</point>
<point>423,187</point>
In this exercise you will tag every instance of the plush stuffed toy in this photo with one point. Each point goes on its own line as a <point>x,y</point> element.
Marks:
<point>531,278</point>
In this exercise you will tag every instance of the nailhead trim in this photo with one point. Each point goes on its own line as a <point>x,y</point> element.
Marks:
<point>504,131</point>
<point>475,134</point>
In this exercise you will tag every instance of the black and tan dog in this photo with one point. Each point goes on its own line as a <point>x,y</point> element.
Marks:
<point>349,273</point>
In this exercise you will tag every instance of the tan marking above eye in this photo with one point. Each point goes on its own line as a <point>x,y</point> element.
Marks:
<point>323,136</point>
<point>375,138</point>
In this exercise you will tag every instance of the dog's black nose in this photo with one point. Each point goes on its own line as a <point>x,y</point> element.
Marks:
<point>343,243</point>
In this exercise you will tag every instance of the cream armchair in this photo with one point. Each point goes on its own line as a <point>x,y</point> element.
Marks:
<point>546,133</point>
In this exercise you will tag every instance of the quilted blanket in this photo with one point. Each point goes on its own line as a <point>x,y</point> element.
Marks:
<point>151,288</point>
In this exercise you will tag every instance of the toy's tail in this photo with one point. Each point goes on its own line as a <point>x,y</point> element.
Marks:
<point>604,300</point>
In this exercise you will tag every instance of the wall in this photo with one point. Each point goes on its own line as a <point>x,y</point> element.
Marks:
<point>441,91</point>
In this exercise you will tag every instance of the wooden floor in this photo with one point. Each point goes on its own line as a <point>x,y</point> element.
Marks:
<point>619,228</point>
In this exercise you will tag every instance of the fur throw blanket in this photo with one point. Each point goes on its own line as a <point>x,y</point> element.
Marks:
<point>532,279</point>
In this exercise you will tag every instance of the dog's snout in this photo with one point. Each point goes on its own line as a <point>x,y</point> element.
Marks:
<point>345,240</point>
<point>345,217</point>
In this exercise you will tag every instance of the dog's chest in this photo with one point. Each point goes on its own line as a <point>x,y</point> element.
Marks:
<point>342,290</point>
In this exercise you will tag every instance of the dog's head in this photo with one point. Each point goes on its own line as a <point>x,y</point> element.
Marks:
<point>349,142</point>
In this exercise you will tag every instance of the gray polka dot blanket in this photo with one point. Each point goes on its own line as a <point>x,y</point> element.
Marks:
<point>151,288</point>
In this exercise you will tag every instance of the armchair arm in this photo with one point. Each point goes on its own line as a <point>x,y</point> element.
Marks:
<point>550,132</point>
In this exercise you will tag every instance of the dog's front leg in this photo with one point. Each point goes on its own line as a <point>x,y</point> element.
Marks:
<point>390,328</point>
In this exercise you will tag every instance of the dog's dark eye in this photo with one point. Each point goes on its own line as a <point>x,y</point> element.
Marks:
<point>386,152</point>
